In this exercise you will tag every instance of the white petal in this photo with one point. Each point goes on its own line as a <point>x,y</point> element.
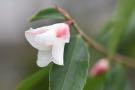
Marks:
<point>47,38</point>
<point>58,52</point>
<point>31,36</point>
<point>44,58</point>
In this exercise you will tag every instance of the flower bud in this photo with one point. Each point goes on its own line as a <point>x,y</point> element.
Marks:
<point>101,67</point>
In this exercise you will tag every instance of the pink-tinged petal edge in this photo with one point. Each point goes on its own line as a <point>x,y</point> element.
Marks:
<point>63,32</point>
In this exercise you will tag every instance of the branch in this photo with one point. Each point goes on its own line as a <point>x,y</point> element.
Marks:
<point>93,44</point>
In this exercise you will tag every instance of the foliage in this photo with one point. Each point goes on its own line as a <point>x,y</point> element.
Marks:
<point>117,36</point>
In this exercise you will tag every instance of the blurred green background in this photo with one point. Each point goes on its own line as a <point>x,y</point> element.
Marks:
<point>18,58</point>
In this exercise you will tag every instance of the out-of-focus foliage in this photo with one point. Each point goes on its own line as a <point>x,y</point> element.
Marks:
<point>127,45</point>
<point>119,40</point>
<point>123,13</point>
<point>115,79</point>
<point>118,36</point>
<point>35,81</point>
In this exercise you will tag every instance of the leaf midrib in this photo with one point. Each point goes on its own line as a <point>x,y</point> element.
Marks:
<point>77,39</point>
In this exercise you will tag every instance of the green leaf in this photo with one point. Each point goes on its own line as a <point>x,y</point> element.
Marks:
<point>116,79</point>
<point>50,13</point>
<point>34,79</point>
<point>127,44</point>
<point>73,75</point>
<point>96,83</point>
<point>106,28</point>
<point>105,33</point>
<point>123,14</point>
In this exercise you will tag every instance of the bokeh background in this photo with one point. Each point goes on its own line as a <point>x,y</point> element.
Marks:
<point>17,57</point>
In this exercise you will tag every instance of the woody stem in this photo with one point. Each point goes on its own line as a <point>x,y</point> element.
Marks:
<point>93,44</point>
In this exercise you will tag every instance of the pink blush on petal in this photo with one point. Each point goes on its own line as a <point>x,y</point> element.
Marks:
<point>62,33</point>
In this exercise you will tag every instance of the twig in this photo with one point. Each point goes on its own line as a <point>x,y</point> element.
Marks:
<point>93,44</point>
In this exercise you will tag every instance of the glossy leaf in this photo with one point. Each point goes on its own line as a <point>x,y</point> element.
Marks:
<point>73,75</point>
<point>50,13</point>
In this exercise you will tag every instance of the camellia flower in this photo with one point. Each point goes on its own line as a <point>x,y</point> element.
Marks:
<point>50,42</point>
<point>100,67</point>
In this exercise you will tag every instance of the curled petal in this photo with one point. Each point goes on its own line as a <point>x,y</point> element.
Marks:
<point>44,58</point>
<point>58,52</point>
<point>31,36</point>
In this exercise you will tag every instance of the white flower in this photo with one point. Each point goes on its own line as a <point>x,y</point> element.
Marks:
<point>50,42</point>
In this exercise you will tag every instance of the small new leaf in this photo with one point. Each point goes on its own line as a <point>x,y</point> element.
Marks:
<point>50,13</point>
